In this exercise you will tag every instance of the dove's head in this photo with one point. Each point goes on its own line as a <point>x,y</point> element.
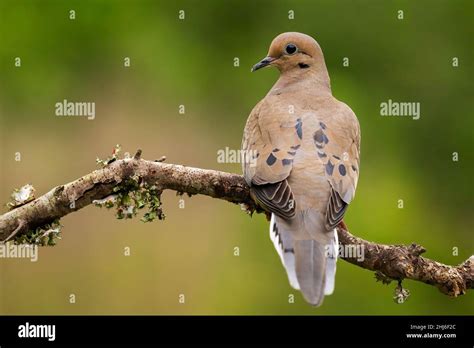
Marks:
<point>293,53</point>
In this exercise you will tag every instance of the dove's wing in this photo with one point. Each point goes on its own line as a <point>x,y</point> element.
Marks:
<point>337,144</point>
<point>271,141</point>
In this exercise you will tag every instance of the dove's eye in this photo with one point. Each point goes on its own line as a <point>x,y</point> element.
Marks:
<point>291,49</point>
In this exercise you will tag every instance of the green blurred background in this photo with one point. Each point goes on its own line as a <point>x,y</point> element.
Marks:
<point>190,62</point>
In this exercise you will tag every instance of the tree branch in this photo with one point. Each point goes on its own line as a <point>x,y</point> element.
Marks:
<point>391,261</point>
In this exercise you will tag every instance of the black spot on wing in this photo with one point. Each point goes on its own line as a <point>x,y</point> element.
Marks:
<point>320,139</point>
<point>286,162</point>
<point>295,147</point>
<point>323,126</point>
<point>299,128</point>
<point>291,153</point>
<point>271,159</point>
<point>342,169</point>
<point>322,154</point>
<point>325,138</point>
<point>354,168</point>
<point>318,136</point>
<point>329,167</point>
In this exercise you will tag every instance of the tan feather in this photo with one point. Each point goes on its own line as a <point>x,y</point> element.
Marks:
<point>303,146</point>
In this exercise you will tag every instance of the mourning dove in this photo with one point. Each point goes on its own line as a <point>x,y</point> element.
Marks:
<point>301,149</point>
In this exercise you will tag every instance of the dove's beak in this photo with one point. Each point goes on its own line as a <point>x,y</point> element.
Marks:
<point>263,63</point>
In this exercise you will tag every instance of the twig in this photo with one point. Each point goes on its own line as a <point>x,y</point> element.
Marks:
<point>21,224</point>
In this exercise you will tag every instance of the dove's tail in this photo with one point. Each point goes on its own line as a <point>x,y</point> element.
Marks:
<point>331,264</point>
<point>283,242</point>
<point>310,265</point>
